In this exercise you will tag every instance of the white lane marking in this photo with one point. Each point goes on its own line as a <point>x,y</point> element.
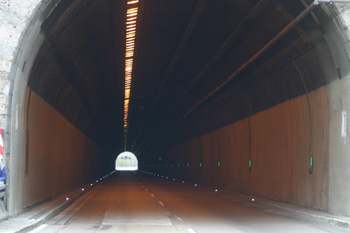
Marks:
<point>179,219</point>
<point>137,224</point>
<point>191,230</point>
<point>146,190</point>
<point>40,228</point>
<point>161,203</point>
<point>152,195</point>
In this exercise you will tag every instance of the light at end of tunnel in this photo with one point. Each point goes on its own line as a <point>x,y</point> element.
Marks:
<point>174,179</point>
<point>67,198</point>
<point>216,190</point>
<point>91,184</point>
<point>253,199</point>
<point>82,189</point>
<point>100,178</point>
<point>183,182</point>
<point>195,185</point>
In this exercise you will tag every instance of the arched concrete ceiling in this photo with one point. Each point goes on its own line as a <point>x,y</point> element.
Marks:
<point>184,50</point>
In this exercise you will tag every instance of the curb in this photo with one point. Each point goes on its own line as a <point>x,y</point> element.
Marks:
<point>57,208</point>
<point>49,215</point>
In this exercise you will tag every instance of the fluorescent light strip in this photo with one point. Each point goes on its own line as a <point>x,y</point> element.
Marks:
<point>133,2</point>
<point>131,20</point>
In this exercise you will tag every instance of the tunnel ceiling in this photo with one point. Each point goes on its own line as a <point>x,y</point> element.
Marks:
<point>184,50</point>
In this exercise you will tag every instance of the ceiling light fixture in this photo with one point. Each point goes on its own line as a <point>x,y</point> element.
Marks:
<point>131,17</point>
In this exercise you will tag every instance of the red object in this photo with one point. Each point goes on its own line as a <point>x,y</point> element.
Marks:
<point>1,143</point>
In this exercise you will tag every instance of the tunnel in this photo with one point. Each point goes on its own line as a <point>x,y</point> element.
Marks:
<point>249,96</point>
<point>126,161</point>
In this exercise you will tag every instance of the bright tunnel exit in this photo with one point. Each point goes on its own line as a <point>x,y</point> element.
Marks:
<point>126,161</point>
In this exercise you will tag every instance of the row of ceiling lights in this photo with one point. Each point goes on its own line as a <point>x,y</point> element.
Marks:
<point>131,19</point>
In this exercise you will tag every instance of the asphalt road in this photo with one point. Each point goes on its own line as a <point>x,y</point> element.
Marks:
<point>136,202</point>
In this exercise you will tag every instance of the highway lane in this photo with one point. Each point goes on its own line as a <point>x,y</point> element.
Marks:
<point>136,202</point>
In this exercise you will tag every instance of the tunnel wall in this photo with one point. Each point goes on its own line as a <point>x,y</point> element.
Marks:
<point>60,156</point>
<point>279,152</point>
<point>339,146</point>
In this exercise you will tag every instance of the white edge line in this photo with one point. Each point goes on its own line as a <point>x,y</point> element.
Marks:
<point>191,230</point>
<point>38,229</point>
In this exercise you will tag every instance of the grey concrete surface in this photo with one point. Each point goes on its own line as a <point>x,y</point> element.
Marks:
<point>147,203</point>
<point>40,213</point>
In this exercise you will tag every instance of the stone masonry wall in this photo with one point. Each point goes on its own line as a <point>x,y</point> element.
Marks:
<point>16,17</point>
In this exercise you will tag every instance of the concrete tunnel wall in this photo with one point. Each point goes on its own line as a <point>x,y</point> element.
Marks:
<point>282,174</point>
<point>280,140</point>
<point>60,156</point>
<point>278,150</point>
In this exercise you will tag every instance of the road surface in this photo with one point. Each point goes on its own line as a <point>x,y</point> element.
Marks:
<point>138,202</point>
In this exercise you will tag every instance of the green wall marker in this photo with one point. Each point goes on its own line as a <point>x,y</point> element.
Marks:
<point>200,164</point>
<point>311,161</point>
<point>219,164</point>
<point>188,164</point>
<point>250,163</point>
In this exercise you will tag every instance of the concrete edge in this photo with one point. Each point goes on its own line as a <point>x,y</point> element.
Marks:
<point>289,212</point>
<point>301,213</point>
<point>316,218</point>
<point>54,210</point>
<point>52,213</point>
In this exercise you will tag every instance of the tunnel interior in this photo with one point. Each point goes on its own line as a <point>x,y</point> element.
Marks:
<point>209,101</point>
<point>184,50</point>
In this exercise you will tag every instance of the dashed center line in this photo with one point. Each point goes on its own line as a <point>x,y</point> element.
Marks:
<point>161,203</point>
<point>191,230</point>
<point>152,195</point>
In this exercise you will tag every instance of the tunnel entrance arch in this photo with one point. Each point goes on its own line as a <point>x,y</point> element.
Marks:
<point>126,161</point>
<point>22,39</point>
